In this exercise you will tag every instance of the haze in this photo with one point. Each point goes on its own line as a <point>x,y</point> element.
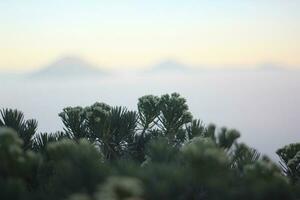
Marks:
<point>262,104</point>
<point>134,33</point>
<point>236,62</point>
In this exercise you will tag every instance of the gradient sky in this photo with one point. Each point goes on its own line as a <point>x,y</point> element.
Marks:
<point>136,33</point>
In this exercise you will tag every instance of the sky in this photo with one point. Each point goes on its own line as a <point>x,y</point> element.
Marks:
<point>136,33</point>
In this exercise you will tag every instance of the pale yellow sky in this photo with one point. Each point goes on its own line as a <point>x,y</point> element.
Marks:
<point>138,33</point>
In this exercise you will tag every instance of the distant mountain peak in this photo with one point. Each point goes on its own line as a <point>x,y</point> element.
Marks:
<point>69,59</point>
<point>71,62</point>
<point>270,67</point>
<point>170,65</point>
<point>69,66</point>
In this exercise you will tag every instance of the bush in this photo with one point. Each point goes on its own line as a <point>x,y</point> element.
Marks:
<point>158,152</point>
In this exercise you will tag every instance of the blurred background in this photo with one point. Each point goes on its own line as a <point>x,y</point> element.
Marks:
<point>237,63</point>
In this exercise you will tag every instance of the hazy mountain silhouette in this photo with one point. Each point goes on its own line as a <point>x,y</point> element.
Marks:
<point>169,66</point>
<point>69,67</point>
<point>271,67</point>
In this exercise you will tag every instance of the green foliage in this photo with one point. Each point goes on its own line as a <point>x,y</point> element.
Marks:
<point>158,152</point>
<point>210,132</point>
<point>112,128</point>
<point>121,188</point>
<point>290,161</point>
<point>148,109</point>
<point>73,119</point>
<point>41,140</point>
<point>227,138</point>
<point>155,148</point>
<point>262,180</point>
<point>242,156</point>
<point>15,120</point>
<point>206,164</point>
<point>68,165</point>
<point>201,150</point>
<point>17,168</point>
<point>97,120</point>
<point>196,128</point>
<point>174,114</point>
